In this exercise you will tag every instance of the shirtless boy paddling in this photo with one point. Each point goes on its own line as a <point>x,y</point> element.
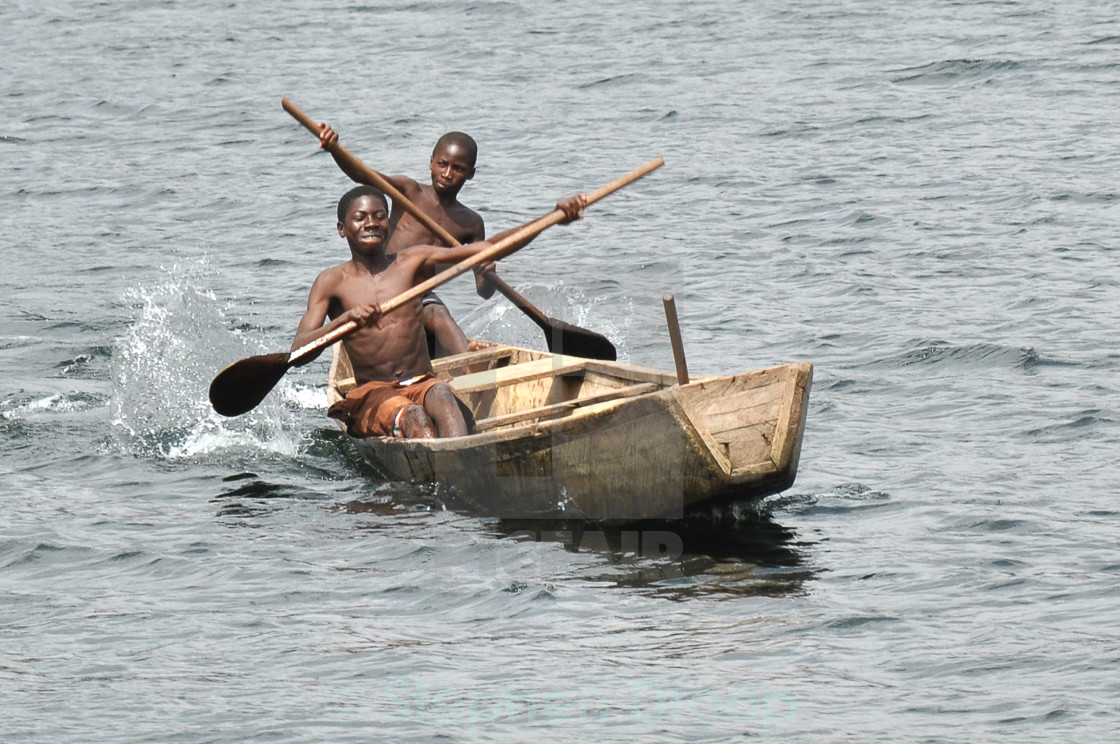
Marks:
<point>397,392</point>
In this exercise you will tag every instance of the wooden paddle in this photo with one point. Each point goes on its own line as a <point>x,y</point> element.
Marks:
<point>240,387</point>
<point>560,336</point>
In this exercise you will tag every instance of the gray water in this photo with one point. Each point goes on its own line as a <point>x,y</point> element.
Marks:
<point>919,198</point>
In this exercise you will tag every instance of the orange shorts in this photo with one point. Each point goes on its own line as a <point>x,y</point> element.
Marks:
<point>374,409</point>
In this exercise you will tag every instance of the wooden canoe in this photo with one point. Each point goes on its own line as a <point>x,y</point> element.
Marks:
<point>566,437</point>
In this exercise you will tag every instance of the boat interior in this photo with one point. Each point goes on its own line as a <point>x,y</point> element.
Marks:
<point>747,421</point>
<point>506,386</point>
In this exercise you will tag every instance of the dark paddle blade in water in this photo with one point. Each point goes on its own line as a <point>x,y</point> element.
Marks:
<point>240,387</point>
<point>565,338</point>
<point>561,337</point>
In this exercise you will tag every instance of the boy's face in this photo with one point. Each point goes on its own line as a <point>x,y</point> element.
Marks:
<point>451,168</point>
<point>366,227</point>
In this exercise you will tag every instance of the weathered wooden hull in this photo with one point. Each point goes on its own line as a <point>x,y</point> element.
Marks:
<point>574,438</point>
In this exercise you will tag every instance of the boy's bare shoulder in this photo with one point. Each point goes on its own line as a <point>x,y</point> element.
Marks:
<point>332,276</point>
<point>406,184</point>
<point>471,213</point>
<point>471,220</point>
<point>413,253</point>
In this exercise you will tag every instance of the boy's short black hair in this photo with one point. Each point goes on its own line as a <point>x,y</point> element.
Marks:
<point>465,141</point>
<point>356,192</point>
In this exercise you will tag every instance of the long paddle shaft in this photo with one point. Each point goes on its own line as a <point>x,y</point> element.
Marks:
<point>567,337</point>
<point>369,174</point>
<point>560,336</point>
<point>241,386</point>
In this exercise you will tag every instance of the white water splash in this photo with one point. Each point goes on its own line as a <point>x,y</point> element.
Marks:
<point>303,396</point>
<point>162,370</point>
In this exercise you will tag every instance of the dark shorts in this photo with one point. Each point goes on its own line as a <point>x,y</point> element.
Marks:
<point>431,299</point>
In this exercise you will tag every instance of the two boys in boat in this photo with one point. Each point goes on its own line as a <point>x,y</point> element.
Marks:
<point>397,393</point>
<point>452,165</point>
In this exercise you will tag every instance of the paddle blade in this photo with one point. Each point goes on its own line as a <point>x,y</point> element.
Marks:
<point>240,387</point>
<point>565,338</point>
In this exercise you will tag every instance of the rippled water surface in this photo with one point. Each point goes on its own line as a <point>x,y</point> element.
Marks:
<point>919,198</point>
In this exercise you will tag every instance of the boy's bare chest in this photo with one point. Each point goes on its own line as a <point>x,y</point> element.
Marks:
<point>455,220</point>
<point>360,289</point>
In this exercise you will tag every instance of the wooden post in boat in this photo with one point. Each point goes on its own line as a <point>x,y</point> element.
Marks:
<point>675,338</point>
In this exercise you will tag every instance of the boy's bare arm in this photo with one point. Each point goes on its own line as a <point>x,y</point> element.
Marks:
<point>318,307</point>
<point>318,304</point>
<point>482,284</point>
<point>431,259</point>
<point>328,138</point>
<point>572,207</point>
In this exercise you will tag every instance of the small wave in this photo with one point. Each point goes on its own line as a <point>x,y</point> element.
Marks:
<point>268,263</point>
<point>857,492</point>
<point>16,554</point>
<point>845,385</point>
<point>261,490</point>
<point>892,120</point>
<point>1088,420</point>
<point>845,497</point>
<point>68,325</point>
<point>858,621</point>
<point>82,362</point>
<point>17,342</point>
<point>613,80</point>
<point>974,355</point>
<point>953,71</point>
<point>997,525</point>
<point>1085,197</point>
<point>22,406</point>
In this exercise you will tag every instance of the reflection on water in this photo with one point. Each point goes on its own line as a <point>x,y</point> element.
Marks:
<point>247,495</point>
<point>735,551</point>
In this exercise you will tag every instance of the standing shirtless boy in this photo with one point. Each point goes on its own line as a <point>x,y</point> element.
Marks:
<point>452,165</point>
